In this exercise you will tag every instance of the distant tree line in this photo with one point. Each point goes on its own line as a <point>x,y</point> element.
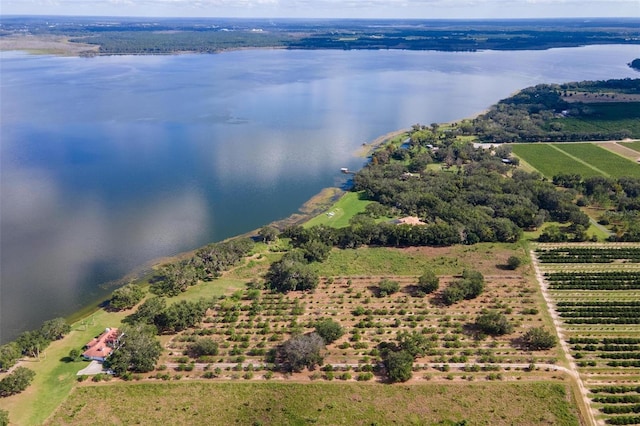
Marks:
<point>535,114</point>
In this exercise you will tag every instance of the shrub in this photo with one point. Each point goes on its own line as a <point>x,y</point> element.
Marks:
<point>513,262</point>
<point>329,330</point>
<point>387,287</point>
<point>203,347</point>
<point>428,282</point>
<point>494,323</point>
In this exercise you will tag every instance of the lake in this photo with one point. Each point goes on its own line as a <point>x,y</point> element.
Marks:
<point>110,162</point>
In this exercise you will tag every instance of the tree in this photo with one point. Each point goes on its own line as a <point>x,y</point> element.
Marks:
<point>315,250</point>
<point>31,343</point>
<point>414,343</point>
<point>75,354</point>
<point>329,330</point>
<point>4,418</point>
<point>9,354</point>
<point>146,313</point>
<point>302,351</point>
<point>291,274</point>
<point>428,282</point>
<point>399,366</point>
<point>55,329</point>
<point>203,347</point>
<point>494,323</point>
<point>126,297</point>
<point>16,382</point>
<point>539,339</point>
<point>138,351</point>
<point>175,278</point>
<point>268,234</point>
<point>513,262</point>
<point>386,287</point>
<point>470,287</point>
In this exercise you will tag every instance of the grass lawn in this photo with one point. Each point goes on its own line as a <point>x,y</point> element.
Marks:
<point>201,403</point>
<point>55,378</point>
<point>602,159</point>
<point>549,161</point>
<point>341,212</point>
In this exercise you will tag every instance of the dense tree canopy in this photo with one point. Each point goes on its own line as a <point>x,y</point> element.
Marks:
<point>16,381</point>
<point>138,351</point>
<point>9,355</point>
<point>126,297</point>
<point>291,273</point>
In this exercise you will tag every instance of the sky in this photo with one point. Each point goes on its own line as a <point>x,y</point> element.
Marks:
<point>419,9</point>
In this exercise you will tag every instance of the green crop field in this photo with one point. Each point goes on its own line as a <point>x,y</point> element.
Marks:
<point>602,159</point>
<point>584,159</point>
<point>201,403</point>
<point>633,145</point>
<point>549,161</point>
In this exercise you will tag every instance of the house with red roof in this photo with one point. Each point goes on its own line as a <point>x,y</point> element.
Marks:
<point>99,348</point>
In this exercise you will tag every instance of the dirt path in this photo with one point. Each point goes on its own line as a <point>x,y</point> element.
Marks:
<point>572,370</point>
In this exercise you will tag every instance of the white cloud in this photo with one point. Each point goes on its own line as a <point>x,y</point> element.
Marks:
<point>331,8</point>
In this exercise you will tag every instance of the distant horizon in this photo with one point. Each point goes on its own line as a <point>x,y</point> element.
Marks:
<point>301,18</point>
<point>329,9</point>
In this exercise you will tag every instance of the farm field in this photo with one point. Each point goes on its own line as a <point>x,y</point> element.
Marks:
<point>596,293</point>
<point>585,159</point>
<point>633,145</point>
<point>209,403</point>
<point>612,164</point>
<point>550,161</point>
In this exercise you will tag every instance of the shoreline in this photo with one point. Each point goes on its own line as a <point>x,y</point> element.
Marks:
<point>315,205</point>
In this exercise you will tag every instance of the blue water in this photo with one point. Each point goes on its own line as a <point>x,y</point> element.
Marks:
<point>110,162</point>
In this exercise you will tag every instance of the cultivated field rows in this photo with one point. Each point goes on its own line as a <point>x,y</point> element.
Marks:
<point>601,326</point>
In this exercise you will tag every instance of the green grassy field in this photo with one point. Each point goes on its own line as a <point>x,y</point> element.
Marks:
<point>390,261</point>
<point>341,212</point>
<point>606,116</point>
<point>584,159</point>
<point>201,403</point>
<point>549,161</point>
<point>602,159</point>
<point>633,145</point>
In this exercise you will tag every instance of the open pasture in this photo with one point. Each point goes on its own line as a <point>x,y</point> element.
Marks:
<point>597,297</point>
<point>246,403</point>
